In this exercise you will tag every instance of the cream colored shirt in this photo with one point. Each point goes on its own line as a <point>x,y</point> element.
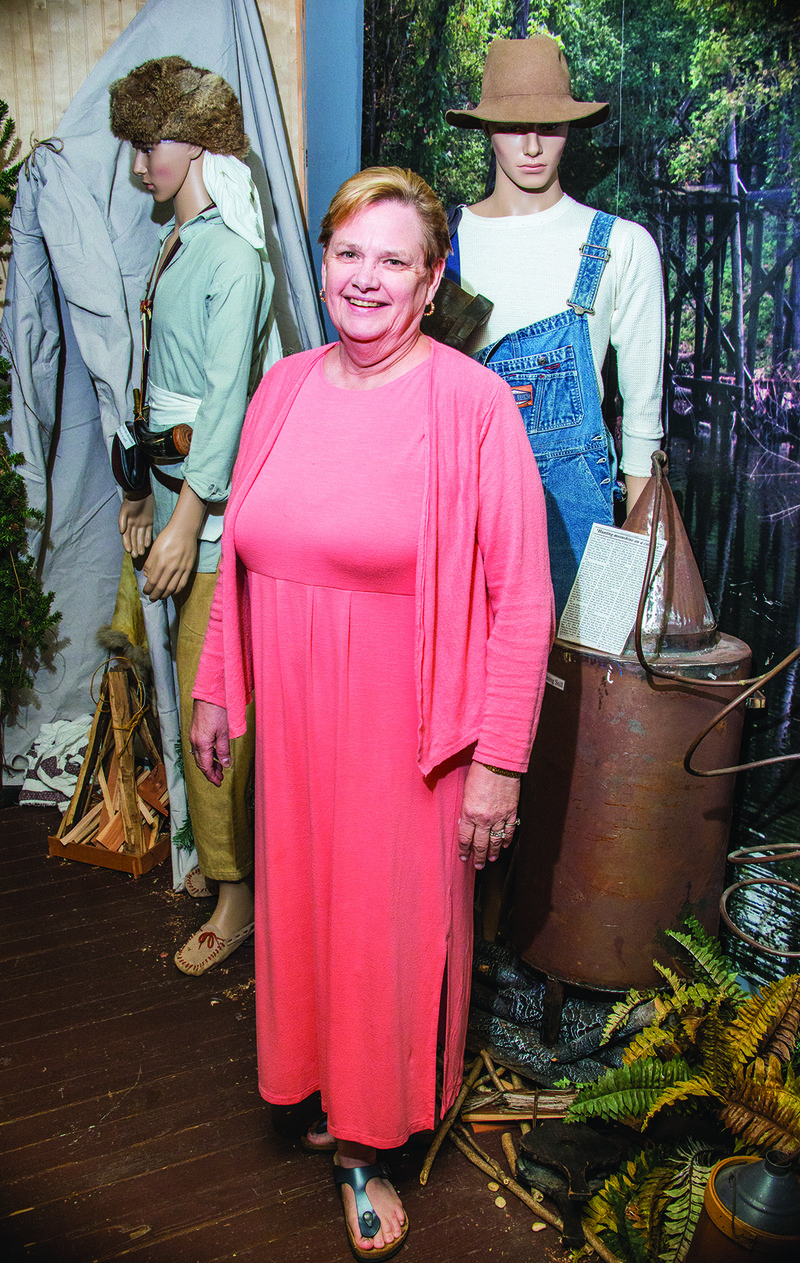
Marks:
<point>527,265</point>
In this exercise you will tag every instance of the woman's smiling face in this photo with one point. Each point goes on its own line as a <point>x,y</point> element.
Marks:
<point>375,278</point>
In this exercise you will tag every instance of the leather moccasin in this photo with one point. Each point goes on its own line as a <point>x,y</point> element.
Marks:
<point>207,948</point>
<point>198,886</point>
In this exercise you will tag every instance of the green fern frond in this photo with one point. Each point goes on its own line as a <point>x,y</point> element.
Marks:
<point>683,1203</point>
<point>627,1092</point>
<point>718,1052</point>
<point>768,1021</point>
<point>623,1009</point>
<point>765,1114</point>
<point>708,962</point>
<point>678,1023</point>
<point>688,1090</point>
<point>689,995</point>
<point>616,1213</point>
<point>647,1044</point>
<point>669,975</point>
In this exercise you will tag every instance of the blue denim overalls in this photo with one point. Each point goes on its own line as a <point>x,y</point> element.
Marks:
<point>550,369</point>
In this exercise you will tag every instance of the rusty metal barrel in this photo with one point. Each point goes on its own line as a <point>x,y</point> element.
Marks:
<point>617,841</point>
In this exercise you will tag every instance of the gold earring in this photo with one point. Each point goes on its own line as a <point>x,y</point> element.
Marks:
<point>322,295</point>
<point>432,309</point>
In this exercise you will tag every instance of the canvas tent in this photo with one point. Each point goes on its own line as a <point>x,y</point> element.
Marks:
<point>83,237</point>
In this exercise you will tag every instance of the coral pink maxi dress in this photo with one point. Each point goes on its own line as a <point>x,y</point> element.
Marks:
<point>363,908</point>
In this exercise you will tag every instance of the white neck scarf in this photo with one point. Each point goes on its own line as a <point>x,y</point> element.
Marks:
<point>230,185</point>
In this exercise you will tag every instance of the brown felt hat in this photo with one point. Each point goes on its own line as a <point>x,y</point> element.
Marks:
<point>527,81</point>
<point>170,99</point>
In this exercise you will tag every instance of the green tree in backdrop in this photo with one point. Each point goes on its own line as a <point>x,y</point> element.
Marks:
<point>676,72</point>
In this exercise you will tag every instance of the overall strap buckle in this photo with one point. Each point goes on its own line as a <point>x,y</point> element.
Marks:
<point>600,253</point>
<point>595,254</point>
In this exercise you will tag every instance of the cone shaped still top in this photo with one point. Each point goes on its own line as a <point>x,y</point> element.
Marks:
<point>677,615</point>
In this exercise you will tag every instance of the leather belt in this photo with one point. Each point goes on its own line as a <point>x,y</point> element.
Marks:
<point>167,480</point>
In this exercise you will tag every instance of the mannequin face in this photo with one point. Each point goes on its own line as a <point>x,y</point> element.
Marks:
<point>164,168</point>
<point>528,155</point>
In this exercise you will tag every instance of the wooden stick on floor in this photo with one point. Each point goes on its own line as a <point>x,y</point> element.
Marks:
<point>449,1118</point>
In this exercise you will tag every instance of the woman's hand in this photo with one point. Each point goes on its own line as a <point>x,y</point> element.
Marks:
<point>209,741</point>
<point>136,525</point>
<point>489,806</point>
<point>172,557</point>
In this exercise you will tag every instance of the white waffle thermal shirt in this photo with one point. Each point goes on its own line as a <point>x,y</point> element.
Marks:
<point>527,265</point>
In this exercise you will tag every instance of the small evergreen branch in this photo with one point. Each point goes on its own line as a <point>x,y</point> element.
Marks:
<point>9,172</point>
<point>26,618</point>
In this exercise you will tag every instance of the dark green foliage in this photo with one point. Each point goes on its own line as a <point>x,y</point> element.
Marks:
<point>420,58</point>
<point>714,1051</point>
<point>25,609</point>
<point>648,1211</point>
<point>676,73</point>
<point>627,1093</point>
<point>709,963</point>
<point>9,171</point>
<point>183,837</point>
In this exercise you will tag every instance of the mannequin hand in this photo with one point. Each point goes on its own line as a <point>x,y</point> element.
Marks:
<point>136,525</point>
<point>173,555</point>
<point>210,745</point>
<point>635,486</point>
<point>171,561</point>
<point>490,803</point>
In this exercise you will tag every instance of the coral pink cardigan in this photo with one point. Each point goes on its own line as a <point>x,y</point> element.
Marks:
<point>484,602</point>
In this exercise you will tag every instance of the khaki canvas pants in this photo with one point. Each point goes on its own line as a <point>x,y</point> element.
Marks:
<point>223,832</point>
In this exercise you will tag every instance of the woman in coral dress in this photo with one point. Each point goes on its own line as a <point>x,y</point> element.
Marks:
<point>385,597</point>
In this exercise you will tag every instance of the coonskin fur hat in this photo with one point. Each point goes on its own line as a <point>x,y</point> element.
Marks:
<point>170,99</point>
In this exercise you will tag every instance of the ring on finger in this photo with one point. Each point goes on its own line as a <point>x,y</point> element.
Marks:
<point>500,834</point>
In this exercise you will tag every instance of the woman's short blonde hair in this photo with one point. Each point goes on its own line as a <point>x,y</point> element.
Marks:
<point>391,184</point>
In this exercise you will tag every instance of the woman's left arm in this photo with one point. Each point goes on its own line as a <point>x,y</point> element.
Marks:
<point>512,539</point>
<point>488,814</point>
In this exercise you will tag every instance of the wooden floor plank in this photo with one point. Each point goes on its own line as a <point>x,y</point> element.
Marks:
<point>133,1128</point>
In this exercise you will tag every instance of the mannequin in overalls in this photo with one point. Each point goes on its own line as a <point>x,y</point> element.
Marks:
<point>565,281</point>
<point>208,299</point>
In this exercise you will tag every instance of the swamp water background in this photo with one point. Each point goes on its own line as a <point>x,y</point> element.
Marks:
<point>737,484</point>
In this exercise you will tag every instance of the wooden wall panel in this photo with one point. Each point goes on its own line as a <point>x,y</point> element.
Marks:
<point>284,24</point>
<point>48,47</point>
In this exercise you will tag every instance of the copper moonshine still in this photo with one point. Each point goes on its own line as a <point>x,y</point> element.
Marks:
<point>618,842</point>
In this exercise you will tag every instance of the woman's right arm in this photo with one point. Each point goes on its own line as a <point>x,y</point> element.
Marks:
<point>209,741</point>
